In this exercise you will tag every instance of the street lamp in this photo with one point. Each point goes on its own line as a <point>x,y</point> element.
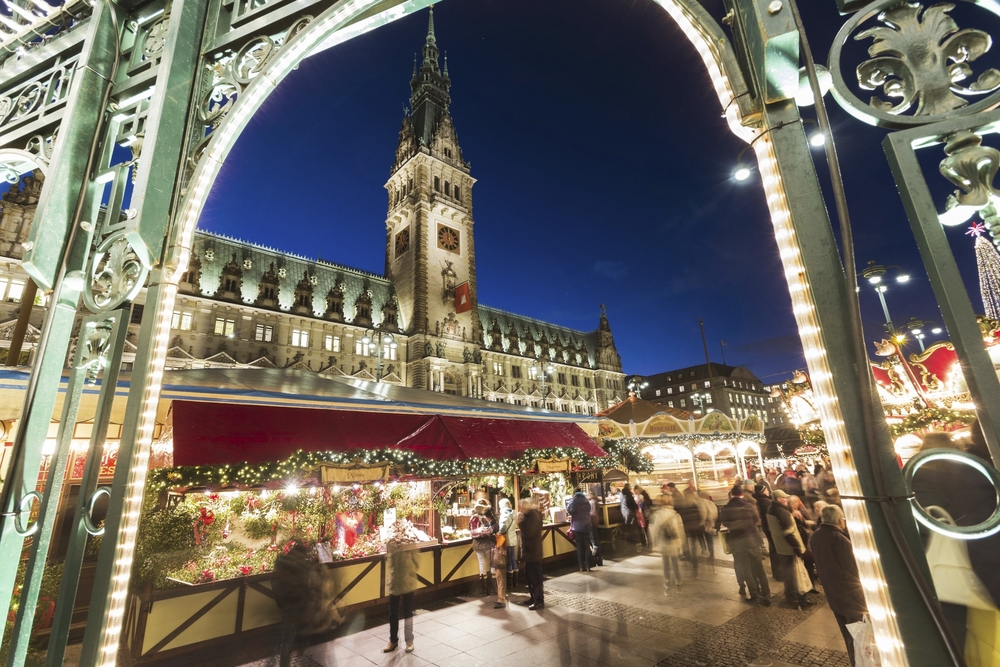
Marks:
<point>917,327</point>
<point>636,384</point>
<point>700,400</point>
<point>379,337</point>
<point>546,369</point>
<point>876,275</point>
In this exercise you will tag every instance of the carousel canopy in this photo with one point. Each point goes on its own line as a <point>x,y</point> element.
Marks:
<point>637,410</point>
<point>216,433</point>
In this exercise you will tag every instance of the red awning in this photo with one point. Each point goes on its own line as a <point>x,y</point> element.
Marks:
<point>218,433</point>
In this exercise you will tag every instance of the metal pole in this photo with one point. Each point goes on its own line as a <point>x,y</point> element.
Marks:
<point>21,328</point>
<point>880,290</point>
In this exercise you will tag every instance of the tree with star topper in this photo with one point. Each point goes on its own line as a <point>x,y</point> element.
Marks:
<point>988,261</point>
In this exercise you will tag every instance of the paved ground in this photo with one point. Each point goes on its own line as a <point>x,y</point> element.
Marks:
<point>616,616</point>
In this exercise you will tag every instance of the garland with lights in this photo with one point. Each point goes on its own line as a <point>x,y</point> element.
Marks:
<point>941,418</point>
<point>403,464</point>
<point>988,263</point>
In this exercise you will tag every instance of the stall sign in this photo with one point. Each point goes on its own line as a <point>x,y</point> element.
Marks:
<point>608,429</point>
<point>662,424</point>
<point>354,473</point>
<point>553,465</point>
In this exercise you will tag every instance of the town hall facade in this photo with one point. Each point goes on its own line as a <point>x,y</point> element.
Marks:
<point>419,325</point>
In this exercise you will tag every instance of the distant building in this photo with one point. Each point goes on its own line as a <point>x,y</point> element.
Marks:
<point>733,390</point>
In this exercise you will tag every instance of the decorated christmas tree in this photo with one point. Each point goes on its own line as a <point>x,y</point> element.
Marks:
<point>988,261</point>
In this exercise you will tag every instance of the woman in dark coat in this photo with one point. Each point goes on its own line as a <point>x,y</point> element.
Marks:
<point>531,552</point>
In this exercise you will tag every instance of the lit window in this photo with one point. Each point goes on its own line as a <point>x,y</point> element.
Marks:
<point>362,349</point>
<point>708,399</point>
<point>264,333</point>
<point>683,403</point>
<point>670,403</point>
<point>388,352</point>
<point>175,320</point>
<point>708,384</point>
<point>300,338</point>
<point>532,372</point>
<point>186,321</point>
<point>16,290</point>
<point>680,389</point>
<point>224,327</point>
<point>331,343</point>
<point>498,368</point>
<point>657,392</point>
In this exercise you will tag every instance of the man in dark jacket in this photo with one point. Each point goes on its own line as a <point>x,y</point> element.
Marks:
<point>740,518</point>
<point>578,509</point>
<point>630,513</point>
<point>834,556</point>
<point>531,552</point>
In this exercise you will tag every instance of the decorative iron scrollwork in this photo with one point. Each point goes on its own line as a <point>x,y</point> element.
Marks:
<point>919,60</point>
<point>96,341</point>
<point>972,167</point>
<point>116,276</point>
<point>226,78</point>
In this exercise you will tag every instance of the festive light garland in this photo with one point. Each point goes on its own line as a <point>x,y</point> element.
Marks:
<point>988,263</point>
<point>402,464</point>
<point>933,417</point>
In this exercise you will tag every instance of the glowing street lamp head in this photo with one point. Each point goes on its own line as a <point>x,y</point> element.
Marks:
<point>936,330</point>
<point>905,278</point>
<point>875,280</point>
<point>742,173</point>
<point>817,139</point>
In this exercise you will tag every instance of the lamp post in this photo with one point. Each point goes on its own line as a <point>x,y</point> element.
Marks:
<point>636,384</point>
<point>379,337</point>
<point>876,275</point>
<point>700,400</point>
<point>916,328</point>
<point>546,369</point>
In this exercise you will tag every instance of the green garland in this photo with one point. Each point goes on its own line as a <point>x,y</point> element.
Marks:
<point>931,417</point>
<point>402,464</point>
<point>627,453</point>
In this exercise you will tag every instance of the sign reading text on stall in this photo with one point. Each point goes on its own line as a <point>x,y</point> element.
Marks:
<point>354,473</point>
<point>554,465</point>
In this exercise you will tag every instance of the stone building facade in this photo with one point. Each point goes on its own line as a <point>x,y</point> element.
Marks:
<point>245,305</point>
<point>734,390</point>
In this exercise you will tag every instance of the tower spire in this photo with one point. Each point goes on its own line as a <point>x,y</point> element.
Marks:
<point>429,98</point>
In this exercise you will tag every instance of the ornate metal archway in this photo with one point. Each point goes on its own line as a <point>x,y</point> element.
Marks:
<point>175,82</point>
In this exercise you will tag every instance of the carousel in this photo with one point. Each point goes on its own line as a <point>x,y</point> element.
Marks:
<point>711,450</point>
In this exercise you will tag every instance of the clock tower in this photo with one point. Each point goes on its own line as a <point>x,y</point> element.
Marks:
<point>430,252</point>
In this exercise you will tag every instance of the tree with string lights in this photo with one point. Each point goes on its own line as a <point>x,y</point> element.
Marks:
<point>988,261</point>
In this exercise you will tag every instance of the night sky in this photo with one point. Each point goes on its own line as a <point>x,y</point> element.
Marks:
<point>604,176</point>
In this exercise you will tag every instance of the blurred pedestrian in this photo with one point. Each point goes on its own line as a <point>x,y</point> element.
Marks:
<point>645,504</point>
<point>762,496</point>
<point>483,526</point>
<point>711,522</point>
<point>578,509</point>
<point>630,514</point>
<point>296,585</point>
<point>739,516</point>
<point>595,521</point>
<point>790,548</point>
<point>401,581</point>
<point>694,527</point>
<point>669,537</point>
<point>838,571</point>
<point>508,528</point>
<point>530,526</point>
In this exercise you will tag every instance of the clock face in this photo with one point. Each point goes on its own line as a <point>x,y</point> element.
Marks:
<point>402,241</point>
<point>448,238</point>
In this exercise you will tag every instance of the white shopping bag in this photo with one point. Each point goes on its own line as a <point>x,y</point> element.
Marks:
<point>865,650</point>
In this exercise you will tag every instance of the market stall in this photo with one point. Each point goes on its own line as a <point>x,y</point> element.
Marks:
<point>244,482</point>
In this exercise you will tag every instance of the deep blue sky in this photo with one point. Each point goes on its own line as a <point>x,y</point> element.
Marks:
<point>603,170</point>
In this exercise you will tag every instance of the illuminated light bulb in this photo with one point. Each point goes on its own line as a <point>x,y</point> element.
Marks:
<point>741,173</point>
<point>817,139</point>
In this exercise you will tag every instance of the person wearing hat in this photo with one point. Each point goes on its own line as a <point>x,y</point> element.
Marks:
<point>789,547</point>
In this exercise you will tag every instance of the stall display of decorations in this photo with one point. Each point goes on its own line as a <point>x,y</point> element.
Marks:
<point>227,521</point>
<point>204,536</point>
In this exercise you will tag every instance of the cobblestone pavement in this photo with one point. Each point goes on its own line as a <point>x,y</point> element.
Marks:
<point>614,616</point>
